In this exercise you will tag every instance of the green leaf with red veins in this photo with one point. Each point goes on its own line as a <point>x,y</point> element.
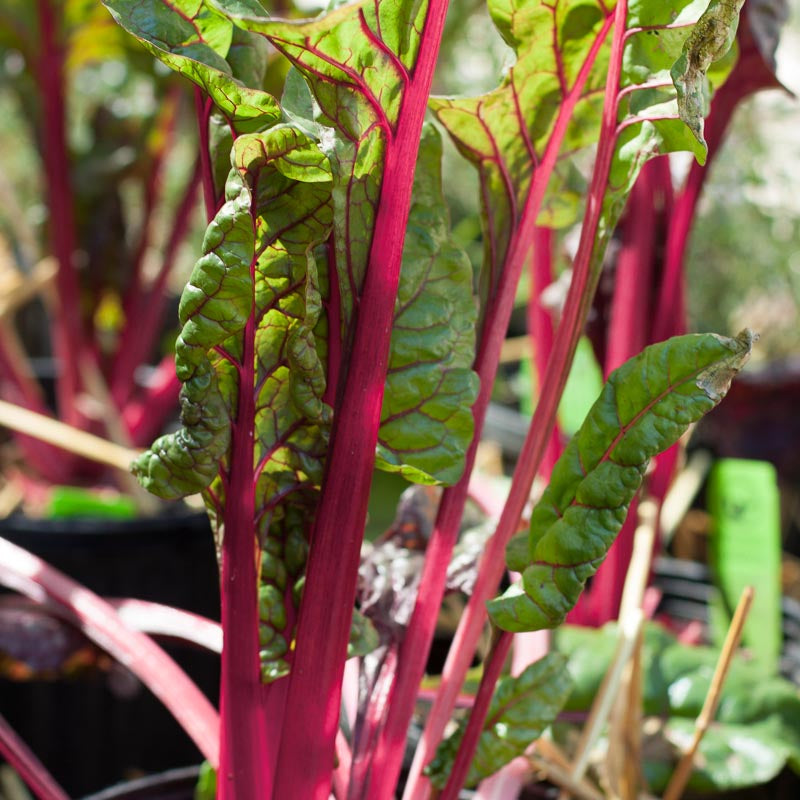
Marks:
<point>193,38</point>
<point>552,99</point>
<point>256,290</point>
<point>562,59</point>
<point>520,711</point>
<point>644,408</point>
<point>426,420</point>
<point>358,60</point>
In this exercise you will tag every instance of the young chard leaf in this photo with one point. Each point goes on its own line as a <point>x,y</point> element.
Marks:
<point>426,421</point>
<point>195,39</point>
<point>644,408</point>
<point>357,60</point>
<point>549,106</point>
<point>520,710</point>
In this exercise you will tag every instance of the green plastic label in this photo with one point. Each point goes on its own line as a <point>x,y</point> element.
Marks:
<point>744,502</point>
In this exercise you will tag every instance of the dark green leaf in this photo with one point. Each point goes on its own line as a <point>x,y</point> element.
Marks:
<point>521,709</point>
<point>426,421</point>
<point>644,408</point>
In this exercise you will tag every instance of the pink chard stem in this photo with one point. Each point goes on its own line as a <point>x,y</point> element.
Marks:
<point>27,766</point>
<point>68,341</point>
<point>493,668</point>
<point>324,622</point>
<point>242,771</point>
<point>25,573</point>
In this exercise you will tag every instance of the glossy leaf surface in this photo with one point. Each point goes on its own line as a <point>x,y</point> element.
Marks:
<point>520,710</point>
<point>644,408</point>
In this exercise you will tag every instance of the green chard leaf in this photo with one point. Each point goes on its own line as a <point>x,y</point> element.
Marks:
<point>215,305</point>
<point>356,60</point>
<point>195,39</point>
<point>562,60</point>
<point>426,422</point>
<point>548,109</point>
<point>520,711</point>
<point>644,408</point>
<point>257,290</point>
<point>757,728</point>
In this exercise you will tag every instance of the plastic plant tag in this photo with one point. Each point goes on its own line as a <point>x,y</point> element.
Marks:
<point>72,501</point>
<point>746,549</point>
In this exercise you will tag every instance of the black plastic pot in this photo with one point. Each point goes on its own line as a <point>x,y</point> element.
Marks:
<point>175,784</point>
<point>686,590</point>
<point>104,727</point>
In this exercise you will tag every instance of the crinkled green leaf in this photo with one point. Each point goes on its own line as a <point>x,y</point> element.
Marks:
<point>426,420</point>
<point>644,408</point>
<point>193,38</point>
<point>215,305</point>
<point>521,709</point>
<point>291,422</point>
<point>256,290</point>
<point>357,59</point>
<point>710,39</point>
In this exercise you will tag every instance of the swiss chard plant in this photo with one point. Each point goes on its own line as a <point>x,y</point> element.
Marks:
<point>331,327</point>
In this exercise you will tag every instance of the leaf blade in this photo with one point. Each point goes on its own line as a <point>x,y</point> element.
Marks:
<point>520,710</point>
<point>645,406</point>
<point>426,421</point>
